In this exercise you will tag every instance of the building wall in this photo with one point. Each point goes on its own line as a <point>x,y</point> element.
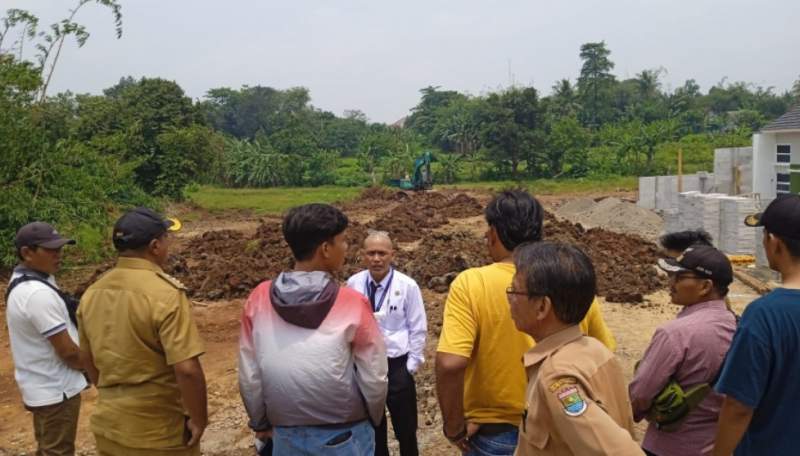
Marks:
<point>764,165</point>
<point>764,159</point>
<point>793,140</point>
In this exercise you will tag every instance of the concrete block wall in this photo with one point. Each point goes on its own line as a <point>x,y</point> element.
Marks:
<point>727,163</point>
<point>661,192</point>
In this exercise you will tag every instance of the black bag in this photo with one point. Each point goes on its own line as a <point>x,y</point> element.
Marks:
<point>70,301</point>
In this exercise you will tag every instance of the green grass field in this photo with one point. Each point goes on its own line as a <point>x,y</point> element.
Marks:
<point>268,200</point>
<point>277,200</point>
<point>558,186</point>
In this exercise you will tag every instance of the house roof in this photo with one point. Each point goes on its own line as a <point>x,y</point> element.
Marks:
<point>788,121</point>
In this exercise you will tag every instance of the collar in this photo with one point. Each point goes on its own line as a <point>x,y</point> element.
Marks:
<point>24,270</point>
<point>382,283</point>
<point>701,306</point>
<point>137,263</point>
<point>543,349</point>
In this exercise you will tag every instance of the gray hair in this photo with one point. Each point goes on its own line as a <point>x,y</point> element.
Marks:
<point>376,235</point>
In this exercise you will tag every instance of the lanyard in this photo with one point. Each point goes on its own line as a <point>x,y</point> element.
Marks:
<point>385,290</point>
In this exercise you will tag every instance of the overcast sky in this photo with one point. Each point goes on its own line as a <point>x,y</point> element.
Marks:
<point>376,55</point>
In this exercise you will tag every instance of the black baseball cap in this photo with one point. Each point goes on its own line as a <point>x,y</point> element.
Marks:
<point>137,227</point>
<point>781,217</point>
<point>40,234</point>
<point>703,260</point>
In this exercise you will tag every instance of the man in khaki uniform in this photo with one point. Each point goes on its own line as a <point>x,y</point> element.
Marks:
<point>576,399</point>
<point>142,347</point>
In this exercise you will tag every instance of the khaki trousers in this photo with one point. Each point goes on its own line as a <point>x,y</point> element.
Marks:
<point>107,447</point>
<point>55,426</point>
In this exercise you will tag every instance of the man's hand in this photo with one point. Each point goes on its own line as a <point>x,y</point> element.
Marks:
<point>195,432</point>
<point>264,435</point>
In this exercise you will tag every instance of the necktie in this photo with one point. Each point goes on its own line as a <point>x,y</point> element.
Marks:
<point>373,287</point>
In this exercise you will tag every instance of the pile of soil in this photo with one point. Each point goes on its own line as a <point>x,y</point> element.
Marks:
<point>229,264</point>
<point>625,265</point>
<point>416,212</point>
<point>441,256</point>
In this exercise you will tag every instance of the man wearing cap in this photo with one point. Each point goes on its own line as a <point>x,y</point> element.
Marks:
<point>685,355</point>
<point>44,340</point>
<point>397,304</point>
<point>142,348</point>
<point>760,378</point>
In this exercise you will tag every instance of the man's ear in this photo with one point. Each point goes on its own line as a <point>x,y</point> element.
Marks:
<point>544,307</point>
<point>492,235</point>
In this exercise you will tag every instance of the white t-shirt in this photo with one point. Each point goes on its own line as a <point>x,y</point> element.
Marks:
<point>35,312</point>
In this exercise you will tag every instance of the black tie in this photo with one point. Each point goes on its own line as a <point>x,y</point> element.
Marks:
<point>373,287</point>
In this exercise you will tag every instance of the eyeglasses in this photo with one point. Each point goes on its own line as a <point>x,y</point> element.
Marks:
<point>512,291</point>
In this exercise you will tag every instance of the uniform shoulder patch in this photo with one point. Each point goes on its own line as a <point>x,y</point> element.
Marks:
<point>171,280</point>
<point>568,394</point>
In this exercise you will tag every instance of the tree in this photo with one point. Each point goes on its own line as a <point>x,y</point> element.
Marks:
<point>595,82</point>
<point>512,128</point>
<point>567,148</point>
<point>564,100</point>
<point>796,90</point>
<point>423,117</point>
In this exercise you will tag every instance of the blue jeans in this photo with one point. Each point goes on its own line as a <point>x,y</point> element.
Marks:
<point>502,444</point>
<point>356,439</point>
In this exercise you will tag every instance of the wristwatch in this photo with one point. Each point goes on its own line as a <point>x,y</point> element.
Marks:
<point>456,438</point>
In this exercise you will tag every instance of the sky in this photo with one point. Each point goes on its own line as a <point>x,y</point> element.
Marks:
<point>376,55</point>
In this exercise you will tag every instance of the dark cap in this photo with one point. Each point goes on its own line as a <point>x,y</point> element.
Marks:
<point>137,227</point>
<point>703,260</point>
<point>40,234</point>
<point>781,217</point>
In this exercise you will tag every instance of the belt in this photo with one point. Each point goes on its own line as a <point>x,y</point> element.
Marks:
<point>496,428</point>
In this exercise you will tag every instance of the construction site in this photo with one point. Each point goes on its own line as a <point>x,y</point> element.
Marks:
<point>220,257</point>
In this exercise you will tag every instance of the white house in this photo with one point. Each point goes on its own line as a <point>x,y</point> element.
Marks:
<point>776,156</point>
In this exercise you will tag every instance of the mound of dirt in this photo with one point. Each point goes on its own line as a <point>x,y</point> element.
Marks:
<point>228,264</point>
<point>436,261</point>
<point>624,264</point>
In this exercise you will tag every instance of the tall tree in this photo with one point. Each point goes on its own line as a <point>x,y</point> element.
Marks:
<point>595,82</point>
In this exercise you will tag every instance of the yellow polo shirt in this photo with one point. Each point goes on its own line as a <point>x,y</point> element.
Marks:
<point>137,323</point>
<point>477,325</point>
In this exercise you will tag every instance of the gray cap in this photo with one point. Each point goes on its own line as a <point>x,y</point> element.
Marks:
<point>40,234</point>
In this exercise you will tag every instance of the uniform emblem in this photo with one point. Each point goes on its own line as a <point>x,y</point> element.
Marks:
<point>571,399</point>
<point>397,292</point>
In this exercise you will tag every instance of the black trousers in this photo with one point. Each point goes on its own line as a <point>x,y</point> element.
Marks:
<point>402,404</point>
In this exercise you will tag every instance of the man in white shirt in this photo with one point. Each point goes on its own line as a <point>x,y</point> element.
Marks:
<point>397,305</point>
<point>44,340</point>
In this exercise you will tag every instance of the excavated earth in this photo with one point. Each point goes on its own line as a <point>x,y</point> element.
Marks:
<point>228,264</point>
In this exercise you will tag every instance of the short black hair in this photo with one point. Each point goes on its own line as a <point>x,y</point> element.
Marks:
<point>517,216</point>
<point>561,272</point>
<point>792,245</point>
<point>306,227</point>
<point>682,240</point>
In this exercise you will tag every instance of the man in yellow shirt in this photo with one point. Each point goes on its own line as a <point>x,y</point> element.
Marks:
<point>480,378</point>
<point>142,348</point>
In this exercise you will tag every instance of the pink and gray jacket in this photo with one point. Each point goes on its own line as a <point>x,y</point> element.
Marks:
<point>310,353</point>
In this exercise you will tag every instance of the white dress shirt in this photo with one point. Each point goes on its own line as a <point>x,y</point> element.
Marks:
<point>401,315</point>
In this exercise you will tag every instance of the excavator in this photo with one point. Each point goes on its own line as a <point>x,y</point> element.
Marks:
<point>421,179</point>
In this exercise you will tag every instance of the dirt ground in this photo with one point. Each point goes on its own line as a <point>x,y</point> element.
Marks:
<point>220,258</point>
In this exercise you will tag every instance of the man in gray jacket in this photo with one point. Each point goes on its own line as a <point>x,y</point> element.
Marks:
<point>312,361</point>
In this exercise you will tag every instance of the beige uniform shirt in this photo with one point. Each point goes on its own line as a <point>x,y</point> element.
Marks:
<point>576,400</point>
<point>136,321</point>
